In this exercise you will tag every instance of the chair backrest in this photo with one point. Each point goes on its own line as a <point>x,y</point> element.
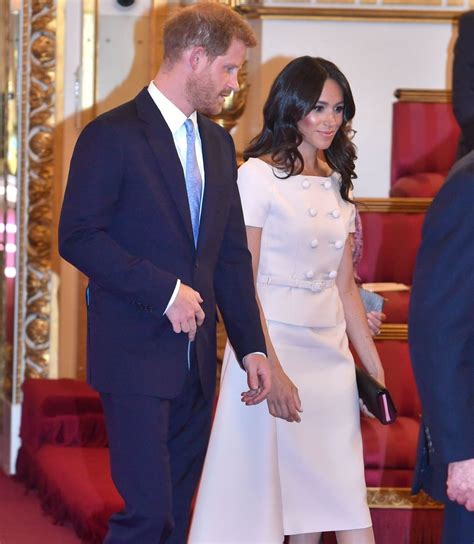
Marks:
<point>391,242</point>
<point>425,135</point>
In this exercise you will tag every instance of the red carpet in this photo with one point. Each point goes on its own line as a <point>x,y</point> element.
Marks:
<point>22,520</point>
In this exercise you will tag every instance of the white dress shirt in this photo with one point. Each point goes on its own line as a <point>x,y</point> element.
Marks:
<point>175,119</point>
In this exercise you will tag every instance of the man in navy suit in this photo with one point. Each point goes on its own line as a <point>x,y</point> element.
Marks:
<point>152,216</point>
<point>441,335</point>
<point>463,82</point>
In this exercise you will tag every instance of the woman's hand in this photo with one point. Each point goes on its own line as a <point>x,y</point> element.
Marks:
<point>364,410</point>
<point>378,374</point>
<point>375,320</point>
<point>283,400</point>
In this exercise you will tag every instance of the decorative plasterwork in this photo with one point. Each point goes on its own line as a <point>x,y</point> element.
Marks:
<point>400,498</point>
<point>423,95</point>
<point>393,205</point>
<point>393,331</point>
<point>350,13</point>
<point>35,194</point>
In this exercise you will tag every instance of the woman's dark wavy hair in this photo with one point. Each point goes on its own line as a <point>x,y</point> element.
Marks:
<point>294,93</point>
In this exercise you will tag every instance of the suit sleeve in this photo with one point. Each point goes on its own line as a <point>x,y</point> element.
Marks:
<point>233,281</point>
<point>91,199</point>
<point>463,76</point>
<point>442,345</point>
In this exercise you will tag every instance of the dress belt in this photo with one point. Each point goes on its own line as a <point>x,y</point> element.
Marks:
<point>315,285</point>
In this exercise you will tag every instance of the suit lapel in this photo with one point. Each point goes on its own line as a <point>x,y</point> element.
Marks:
<point>162,144</point>
<point>213,172</point>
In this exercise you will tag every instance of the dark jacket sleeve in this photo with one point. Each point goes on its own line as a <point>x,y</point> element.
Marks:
<point>91,198</point>
<point>233,282</point>
<point>463,77</point>
<point>442,319</point>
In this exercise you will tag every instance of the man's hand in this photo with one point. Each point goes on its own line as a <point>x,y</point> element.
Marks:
<point>259,378</point>
<point>460,483</point>
<point>186,314</point>
<point>283,400</point>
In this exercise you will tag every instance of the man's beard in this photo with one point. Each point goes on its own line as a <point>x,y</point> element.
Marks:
<point>202,94</point>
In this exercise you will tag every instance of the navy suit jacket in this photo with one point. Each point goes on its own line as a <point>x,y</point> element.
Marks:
<point>441,330</point>
<point>125,223</point>
<point>463,81</point>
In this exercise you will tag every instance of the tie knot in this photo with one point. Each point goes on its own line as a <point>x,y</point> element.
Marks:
<point>189,127</point>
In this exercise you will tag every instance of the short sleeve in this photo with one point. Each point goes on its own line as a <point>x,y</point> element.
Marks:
<point>255,179</point>
<point>354,216</point>
<point>352,220</point>
<point>358,239</point>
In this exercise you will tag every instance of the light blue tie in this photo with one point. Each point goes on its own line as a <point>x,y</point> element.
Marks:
<point>193,178</point>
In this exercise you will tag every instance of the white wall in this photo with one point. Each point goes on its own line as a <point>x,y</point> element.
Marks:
<point>124,52</point>
<point>377,58</point>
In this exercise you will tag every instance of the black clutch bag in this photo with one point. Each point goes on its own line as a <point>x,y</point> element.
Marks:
<point>376,397</point>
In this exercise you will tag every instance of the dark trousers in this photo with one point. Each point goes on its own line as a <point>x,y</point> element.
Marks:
<point>458,524</point>
<point>157,448</point>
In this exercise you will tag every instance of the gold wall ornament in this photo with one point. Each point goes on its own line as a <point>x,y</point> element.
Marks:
<point>400,498</point>
<point>234,104</point>
<point>424,95</point>
<point>352,12</point>
<point>35,203</point>
<point>393,205</point>
<point>393,331</point>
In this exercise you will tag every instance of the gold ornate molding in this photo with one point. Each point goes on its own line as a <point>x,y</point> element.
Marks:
<point>35,203</point>
<point>234,104</point>
<point>423,95</point>
<point>400,498</point>
<point>258,11</point>
<point>393,205</point>
<point>393,331</point>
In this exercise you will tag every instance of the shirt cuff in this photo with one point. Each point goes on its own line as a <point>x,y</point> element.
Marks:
<point>244,366</point>
<point>173,296</point>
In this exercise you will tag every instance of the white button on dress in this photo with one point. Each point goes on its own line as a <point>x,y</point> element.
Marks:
<point>332,274</point>
<point>336,214</point>
<point>309,274</point>
<point>305,184</point>
<point>313,212</point>
<point>338,244</point>
<point>314,243</point>
<point>327,184</point>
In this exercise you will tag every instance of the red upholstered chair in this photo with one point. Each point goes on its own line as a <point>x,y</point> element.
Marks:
<point>390,450</point>
<point>390,455</point>
<point>425,136</point>
<point>63,412</point>
<point>392,236</point>
<point>64,455</point>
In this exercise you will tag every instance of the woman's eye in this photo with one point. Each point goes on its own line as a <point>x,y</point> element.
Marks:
<point>339,109</point>
<point>318,108</point>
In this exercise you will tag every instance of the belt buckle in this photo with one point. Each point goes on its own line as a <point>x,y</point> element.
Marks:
<point>317,286</point>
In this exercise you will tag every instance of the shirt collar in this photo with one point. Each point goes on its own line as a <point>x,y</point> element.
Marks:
<point>172,115</point>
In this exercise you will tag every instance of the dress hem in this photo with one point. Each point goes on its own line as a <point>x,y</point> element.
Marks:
<point>327,530</point>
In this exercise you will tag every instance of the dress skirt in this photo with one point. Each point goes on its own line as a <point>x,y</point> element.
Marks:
<point>265,478</point>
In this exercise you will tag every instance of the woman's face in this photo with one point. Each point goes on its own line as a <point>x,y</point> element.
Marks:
<point>319,127</point>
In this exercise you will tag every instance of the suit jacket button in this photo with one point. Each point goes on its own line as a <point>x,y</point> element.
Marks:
<point>196,265</point>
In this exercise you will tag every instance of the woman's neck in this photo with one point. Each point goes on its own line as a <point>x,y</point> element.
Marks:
<point>316,165</point>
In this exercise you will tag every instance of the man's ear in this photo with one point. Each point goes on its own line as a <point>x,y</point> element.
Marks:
<point>197,57</point>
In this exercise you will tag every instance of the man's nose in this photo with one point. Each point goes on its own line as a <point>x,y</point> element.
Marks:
<point>234,82</point>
